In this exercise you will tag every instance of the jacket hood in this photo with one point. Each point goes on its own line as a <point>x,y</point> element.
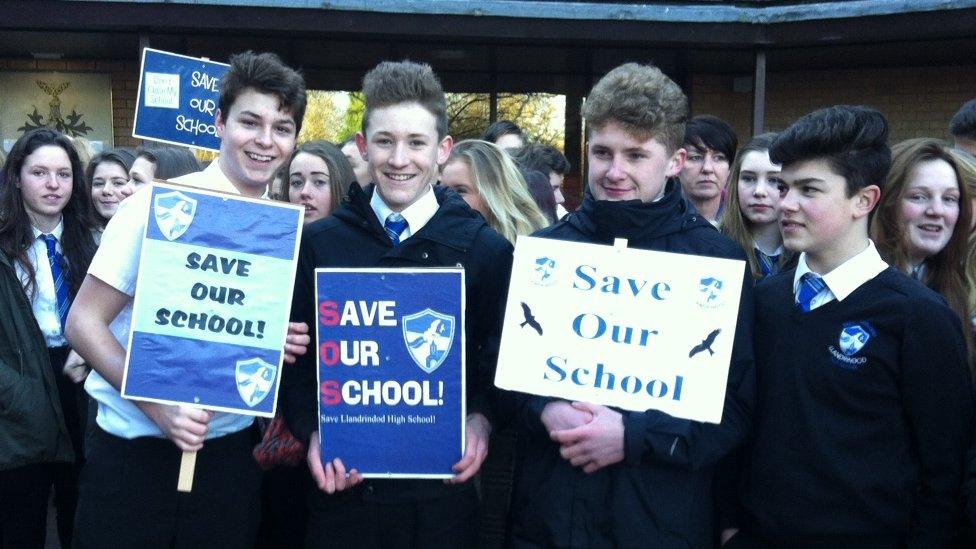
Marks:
<point>605,220</point>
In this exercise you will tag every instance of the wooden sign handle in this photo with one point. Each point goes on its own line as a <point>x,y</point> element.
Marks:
<point>187,465</point>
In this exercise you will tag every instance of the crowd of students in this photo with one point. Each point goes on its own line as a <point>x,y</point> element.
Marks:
<point>848,416</point>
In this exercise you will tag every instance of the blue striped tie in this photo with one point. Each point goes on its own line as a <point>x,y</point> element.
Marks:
<point>395,225</point>
<point>810,286</point>
<point>59,272</point>
<point>767,263</point>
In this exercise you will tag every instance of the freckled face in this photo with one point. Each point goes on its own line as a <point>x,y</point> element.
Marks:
<point>929,209</point>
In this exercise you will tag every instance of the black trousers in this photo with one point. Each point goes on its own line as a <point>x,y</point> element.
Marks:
<point>129,497</point>
<point>74,406</point>
<point>24,493</point>
<point>349,520</point>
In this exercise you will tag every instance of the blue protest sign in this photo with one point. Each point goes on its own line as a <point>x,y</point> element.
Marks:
<point>391,370</point>
<point>177,99</point>
<point>212,301</point>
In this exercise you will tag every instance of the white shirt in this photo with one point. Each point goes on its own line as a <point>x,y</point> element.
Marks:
<point>44,302</point>
<point>116,263</point>
<point>845,278</point>
<point>417,214</point>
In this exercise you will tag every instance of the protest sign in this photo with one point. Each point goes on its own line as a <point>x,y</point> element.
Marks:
<point>177,99</point>
<point>390,346</point>
<point>212,301</point>
<point>622,327</point>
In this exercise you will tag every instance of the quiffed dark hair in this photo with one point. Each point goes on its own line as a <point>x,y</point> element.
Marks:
<point>710,132</point>
<point>392,83</point>
<point>642,100</point>
<point>853,139</point>
<point>500,128</point>
<point>541,158</point>
<point>266,73</point>
<point>963,123</point>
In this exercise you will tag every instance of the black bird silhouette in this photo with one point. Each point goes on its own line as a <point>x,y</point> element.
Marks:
<point>529,319</point>
<point>706,344</point>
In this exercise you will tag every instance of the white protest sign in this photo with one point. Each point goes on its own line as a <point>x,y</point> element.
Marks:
<point>634,329</point>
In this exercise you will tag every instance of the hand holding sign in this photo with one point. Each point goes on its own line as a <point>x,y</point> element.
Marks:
<point>477,431</point>
<point>331,477</point>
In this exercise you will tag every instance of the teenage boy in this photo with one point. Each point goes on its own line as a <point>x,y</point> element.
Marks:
<point>128,487</point>
<point>594,476</point>
<point>402,221</point>
<point>864,391</point>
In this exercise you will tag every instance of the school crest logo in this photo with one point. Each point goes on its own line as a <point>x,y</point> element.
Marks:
<point>710,292</point>
<point>174,213</point>
<point>255,380</point>
<point>853,338</point>
<point>544,273</point>
<point>428,336</point>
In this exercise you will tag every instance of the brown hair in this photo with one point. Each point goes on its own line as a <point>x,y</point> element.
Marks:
<point>643,101</point>
<point>393,83</point>
<point>945,271</point>
<point>735,225</point>
<point>266,73</point>
<point>341,175</point>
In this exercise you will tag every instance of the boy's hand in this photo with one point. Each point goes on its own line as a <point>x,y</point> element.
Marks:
<point>296,343</point>
<point>476,433</point>
<point>332,478</point>
<point>596,444</point>
<point>185,426</point>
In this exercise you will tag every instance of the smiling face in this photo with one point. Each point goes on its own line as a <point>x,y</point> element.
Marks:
<point>308,185</point>
<point>403,151</point>
<point>817,217</point>
<point>929,209</point>
<point>457,175</point>
<point>759,188</point>
<point>109,187</point>
<point>257,137</point>
<point>625,167</point>
<point>45,185</point>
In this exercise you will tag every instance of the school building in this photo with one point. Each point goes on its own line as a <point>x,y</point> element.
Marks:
<point>758,64</point>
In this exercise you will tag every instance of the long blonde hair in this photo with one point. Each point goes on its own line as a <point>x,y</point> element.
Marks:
<point>966,166</point>
<point>512,211</point>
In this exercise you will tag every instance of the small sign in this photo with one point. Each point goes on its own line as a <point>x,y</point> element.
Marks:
<point>212,302</point>
<point>622,327</point>
<point>391,370</point>
<point>177,99</point>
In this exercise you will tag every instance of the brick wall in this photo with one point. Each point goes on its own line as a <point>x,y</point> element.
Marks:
<point>918,102</point>
<point>125,82</point>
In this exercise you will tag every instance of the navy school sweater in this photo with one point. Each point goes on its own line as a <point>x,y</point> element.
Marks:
<point>865,412</point>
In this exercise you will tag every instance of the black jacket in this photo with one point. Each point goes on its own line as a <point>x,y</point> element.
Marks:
<point>353,237</point>
<point>660,495</point>
<point>32,426</point>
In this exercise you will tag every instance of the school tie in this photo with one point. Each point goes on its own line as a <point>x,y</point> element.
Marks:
<point>767,263</point>
<point>395,225</point>
<point>810,286</point>
<point>917,271</point>
<point>59,272</point>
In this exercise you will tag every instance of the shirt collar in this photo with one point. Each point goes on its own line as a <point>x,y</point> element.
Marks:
<point>416,214</point>
<point>849,275</point>
<point>56,232</point>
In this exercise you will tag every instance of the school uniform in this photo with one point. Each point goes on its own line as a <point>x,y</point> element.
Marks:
<point>865,412</point>
<point>660,495</point>
<point>49,303</point>
<point>128,487</point>
<point>440,231</point>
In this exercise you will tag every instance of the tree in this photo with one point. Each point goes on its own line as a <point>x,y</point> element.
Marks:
<point>540,115</point>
